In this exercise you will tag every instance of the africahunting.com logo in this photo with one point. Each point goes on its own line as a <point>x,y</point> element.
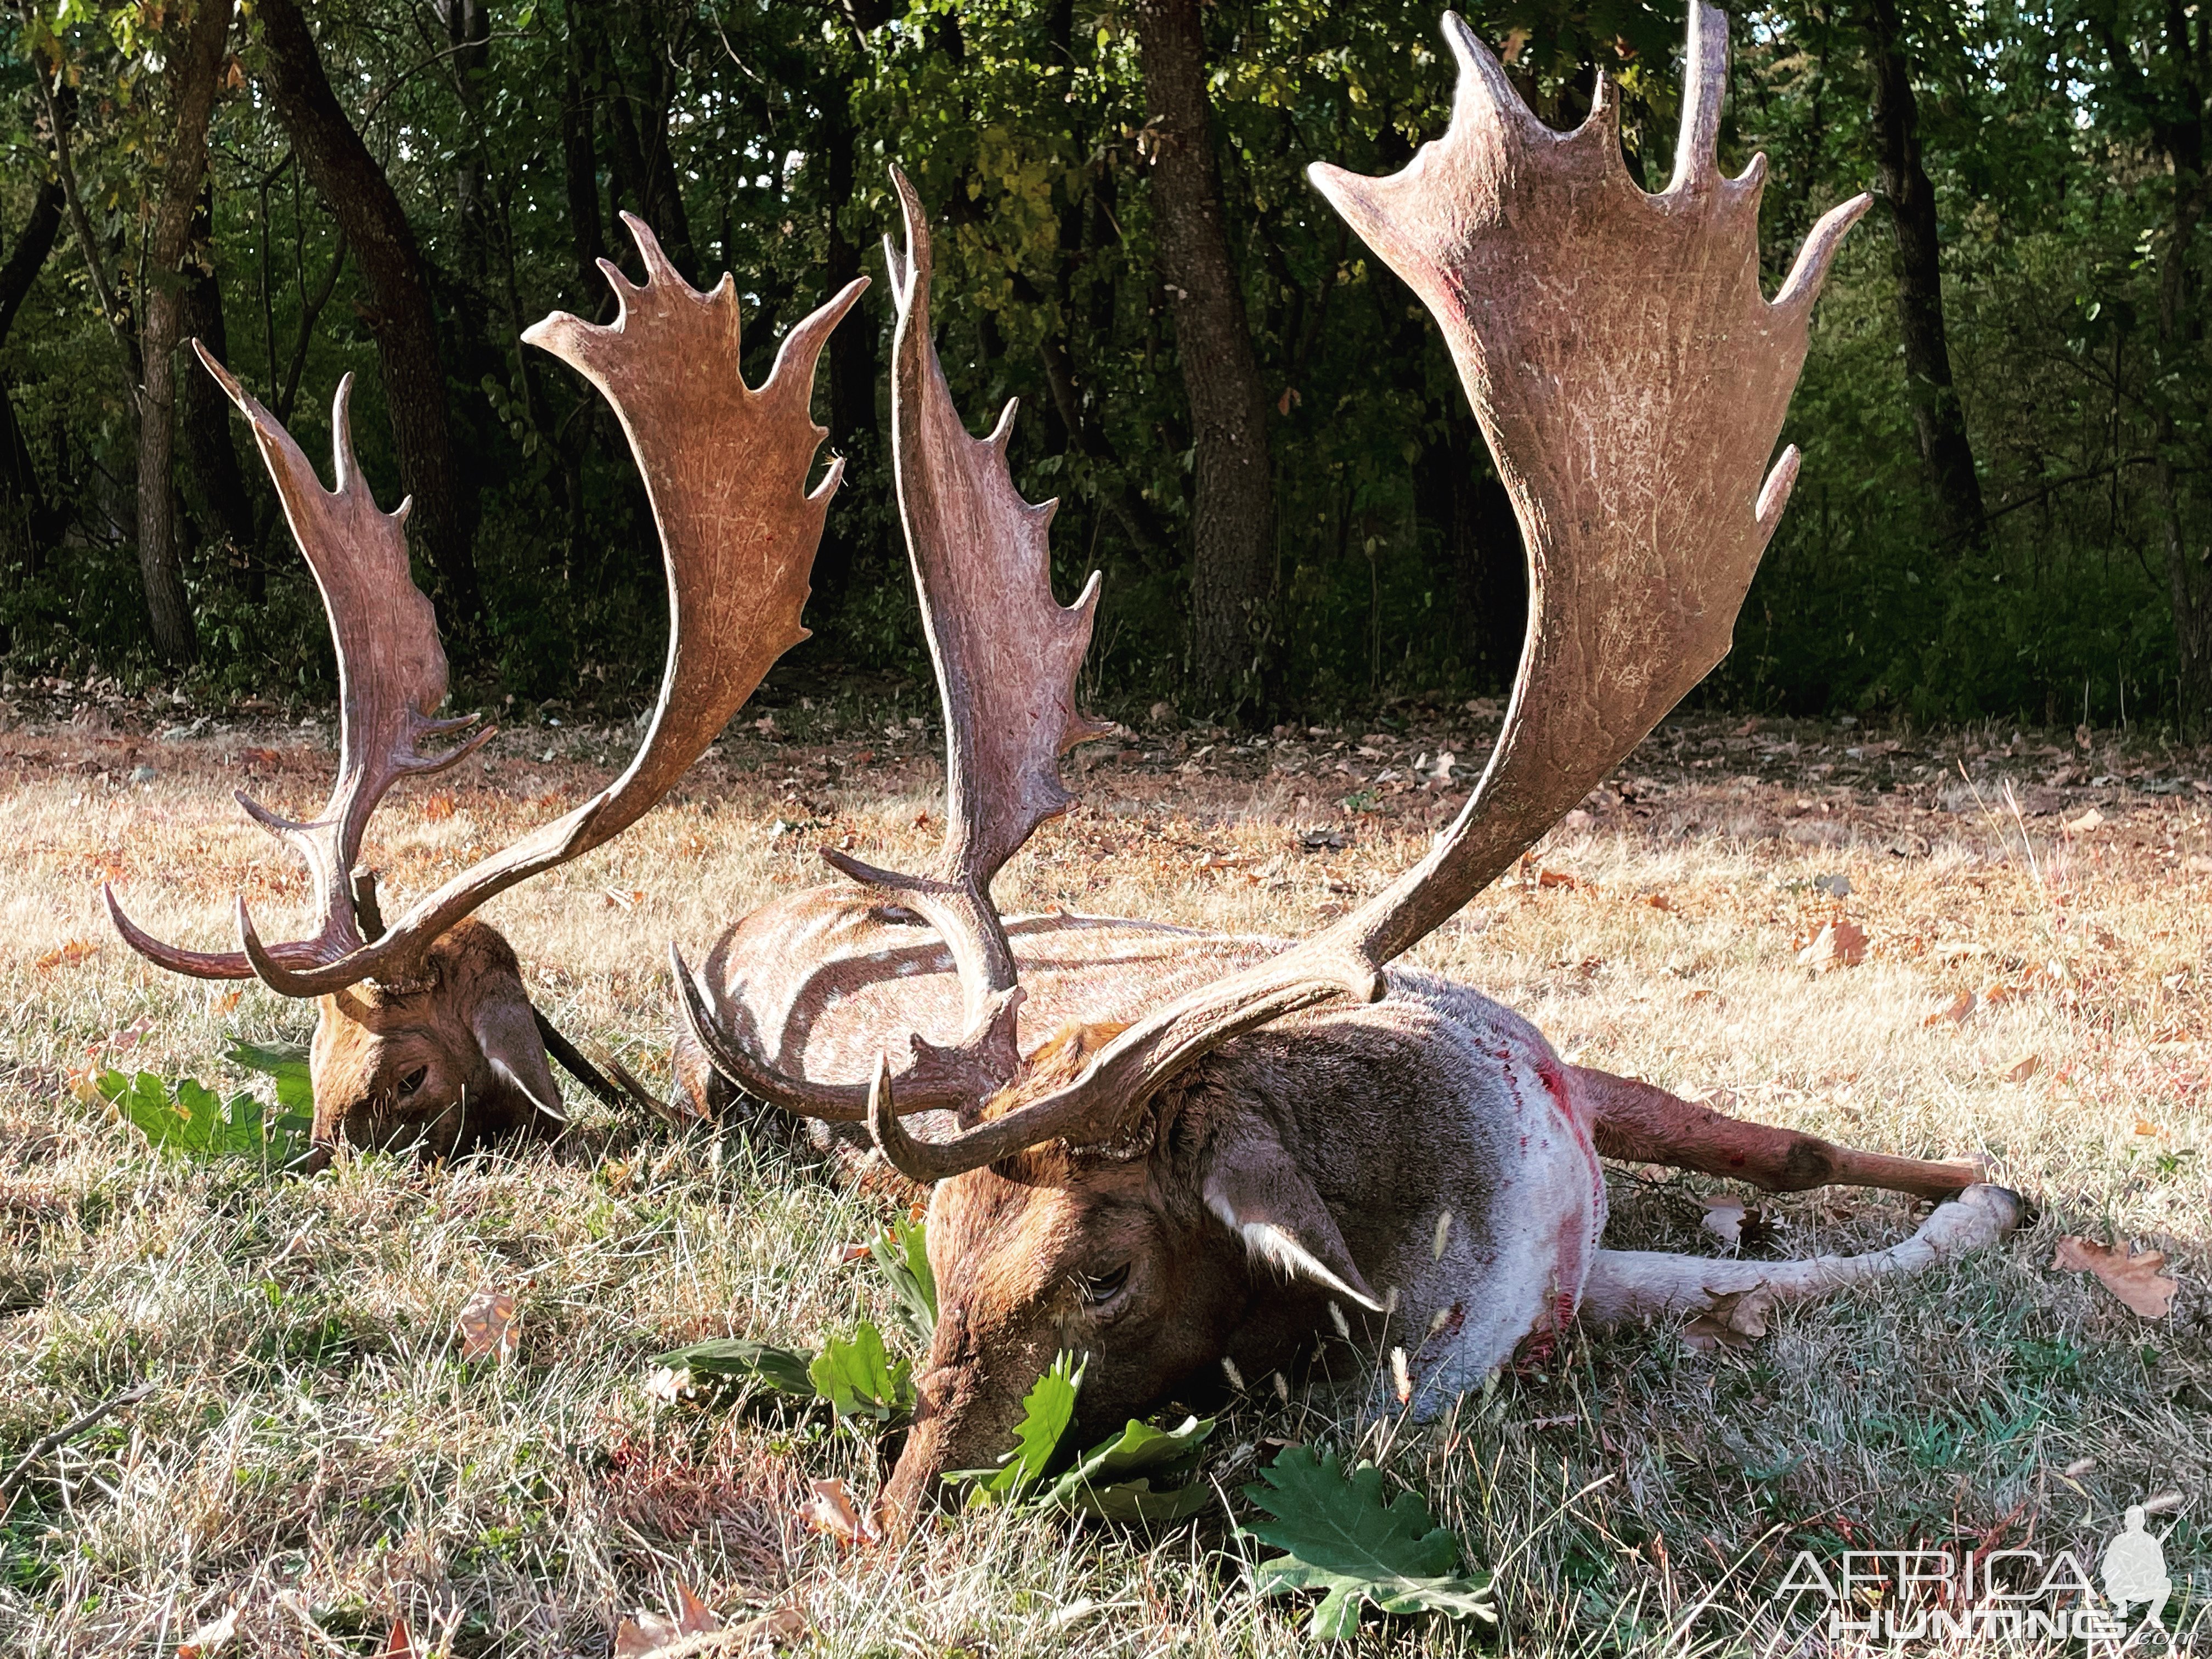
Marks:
<point>2005,1594</point>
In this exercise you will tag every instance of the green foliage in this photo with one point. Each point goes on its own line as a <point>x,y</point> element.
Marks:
<point>1339,1537</point>
<point>192,1122</point>
<point>287,1064</point>
<point>1114,1481</point>
<point>858,1379</point>
<point>736,1359</point>
<point>2063,214</point>
<point>1047,1410</point>
<point>901,1254</point>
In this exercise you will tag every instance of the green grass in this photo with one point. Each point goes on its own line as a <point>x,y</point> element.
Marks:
<point>313,1448</point>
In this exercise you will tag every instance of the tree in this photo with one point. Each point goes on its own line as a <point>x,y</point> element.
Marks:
<point>1233,505</point>
<point>192,80</point>
<point>1917,265</point>
<point>361,199</point>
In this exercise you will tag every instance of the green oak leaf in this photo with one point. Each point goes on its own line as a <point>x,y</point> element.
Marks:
<point>858,1378</point>
<point>1343,1539</point>
<point>1047,1411</point>
<point>740,1359</point>
<point>901,1254</point>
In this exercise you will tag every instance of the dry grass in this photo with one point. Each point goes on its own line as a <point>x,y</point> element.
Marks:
<point>313,1448</point>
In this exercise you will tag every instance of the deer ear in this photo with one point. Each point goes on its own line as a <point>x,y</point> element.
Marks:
<point>1262,1196</point>
<point>507,1031</point>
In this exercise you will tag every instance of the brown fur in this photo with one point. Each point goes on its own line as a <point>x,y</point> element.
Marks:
<point>470,1034</point>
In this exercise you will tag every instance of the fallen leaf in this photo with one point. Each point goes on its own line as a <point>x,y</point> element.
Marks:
<point>1997,992</point>
<point>400,1643</point>
<point>210,1638</point>
<point>1560,878</point>
<point>67,956</point>
<point>2023,1068</point>
<point>487,1326</point>
<point>2092,819</point>
<point>622,898</point>
<point>653,1633</point>
<point>2134,1279</point>
<point>2145,1126</point>
<point>1735,1320</point>
<point>1838,944</point>
<point>1659,901</point>
<point>221,1002</point>
<point>258,756</point>
<point>439,807</point>
<point>829,1510</point>
<point>1723,1217</point>
<point>1955,1010</point>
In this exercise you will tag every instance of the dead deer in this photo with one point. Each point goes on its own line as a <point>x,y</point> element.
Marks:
<point>1220,1140</point>
<point>428,1038</point>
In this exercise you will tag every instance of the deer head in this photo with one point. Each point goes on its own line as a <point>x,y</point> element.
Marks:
<point>1126,1193</point>
<point>426,1036</point>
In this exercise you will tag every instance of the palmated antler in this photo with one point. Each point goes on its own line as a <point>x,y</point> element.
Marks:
<point>1631,380</point>
<point>725,469</point>
<point>392,678</point>
<point>1007,654</point>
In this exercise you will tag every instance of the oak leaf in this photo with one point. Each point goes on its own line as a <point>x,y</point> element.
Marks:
<point>829,1510</point>
<point>1736,1319</point>
<point>1342,1539</point>
<point>2023,1068</point>
<point>2133,1277</point>
<point>488,1326</point>
<point>1955,1010</point>
<point>1838,944</point>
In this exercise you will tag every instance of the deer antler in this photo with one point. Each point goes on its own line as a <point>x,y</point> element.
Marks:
<point>392,678</point>
<point>724,467</point>
<point>1632,381</point>
<point>1007,654</point>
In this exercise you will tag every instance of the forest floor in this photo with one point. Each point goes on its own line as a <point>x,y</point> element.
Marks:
<point>311,1448</point>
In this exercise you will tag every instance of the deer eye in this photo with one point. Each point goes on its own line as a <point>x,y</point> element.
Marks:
<point>413,1081</point>
<point>1098,1289</point>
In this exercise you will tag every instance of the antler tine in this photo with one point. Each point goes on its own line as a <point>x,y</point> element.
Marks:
<point>1632,381</point>
<point>1006,654</point>
<point>724,467</point>
<point>392,678</point>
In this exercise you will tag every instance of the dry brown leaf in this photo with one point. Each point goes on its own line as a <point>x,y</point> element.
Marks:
<point>1838,944</point>
<point>67,956</point>
<point>1736,1319</point>
<point>210,1638</point>
<point>1728,1219</point>
<point>829,1510</point>
<point>2134,1279</point>
<point>400,1643</point>
<point>2145,1126</point>
<point>439,807</point>
<point>1560,878</point>
<point>654,1634</point>
<point>221,1002</point>
<point>488,1326</point>
<point>2092,819</point>
<point>1724,1217</point>
<point>622,898</point>
<point>1955,1011</point>
<point>2023,1068</point>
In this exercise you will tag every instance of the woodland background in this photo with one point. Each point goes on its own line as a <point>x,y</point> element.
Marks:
<point>1252,427</point>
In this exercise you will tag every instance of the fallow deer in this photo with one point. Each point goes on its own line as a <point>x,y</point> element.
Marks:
<point>1220,1138</point>
<point>428,1038</point>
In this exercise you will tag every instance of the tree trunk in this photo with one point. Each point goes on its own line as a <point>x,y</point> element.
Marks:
<point>1233,509</point>
<point>215,484</point>
<point>1915,259</point>
<point>367,210</point>
<point>853,368</point>
<point>28,520</point>
<point>194,72</point>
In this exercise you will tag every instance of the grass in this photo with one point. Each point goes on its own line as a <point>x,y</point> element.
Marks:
<point>313,1449</point>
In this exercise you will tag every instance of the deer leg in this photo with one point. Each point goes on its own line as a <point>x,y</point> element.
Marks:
<point>1638,1122</point>
<point>1638,1283</point>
